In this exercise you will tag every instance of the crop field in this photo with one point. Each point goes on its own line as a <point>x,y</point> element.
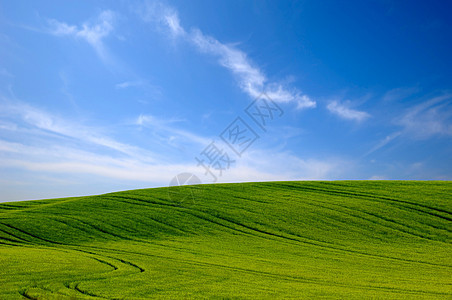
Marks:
<point>339,240</point>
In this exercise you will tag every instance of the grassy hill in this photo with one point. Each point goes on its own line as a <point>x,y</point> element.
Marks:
<point>343,240</point>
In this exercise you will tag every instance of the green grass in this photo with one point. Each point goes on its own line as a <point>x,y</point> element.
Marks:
<point>341,240</point>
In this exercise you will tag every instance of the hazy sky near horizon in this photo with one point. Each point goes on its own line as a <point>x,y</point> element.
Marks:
<point>100,96</point>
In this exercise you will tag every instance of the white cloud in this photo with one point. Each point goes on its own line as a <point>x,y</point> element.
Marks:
<point>173,23</point>
<point>344,112</point>
<point>432,117</point>
<point>63,162</point>
<point>60,160</point>
<point>155,174</point>
<point>94,33</point>
<point>164,16</point>
<point>44,123</point>
<point>250,78</point>
<point>4,72</point>
<point>287,166</point>
<point>170,133</point>
<point>60,28</point>
<point>256,165</point>
<point>54,147</point>
<point>399,94</point>
<point>384,142</point>
<point>278,93</point>
<point>127,84</point>
<point>91,32</point>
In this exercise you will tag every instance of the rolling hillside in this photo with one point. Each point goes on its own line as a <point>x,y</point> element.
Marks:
<point>341,240</point>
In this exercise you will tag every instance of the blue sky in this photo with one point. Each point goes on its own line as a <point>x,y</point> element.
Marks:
<point>100,96</point>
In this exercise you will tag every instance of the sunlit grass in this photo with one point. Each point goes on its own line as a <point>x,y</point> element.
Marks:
<point>350,239</point>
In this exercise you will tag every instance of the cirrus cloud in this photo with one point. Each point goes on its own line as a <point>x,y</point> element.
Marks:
<point>251,79</point>
<point>347,113</point>
<point>92,32</point>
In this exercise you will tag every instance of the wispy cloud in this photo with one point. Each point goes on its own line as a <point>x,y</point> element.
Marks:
<point>255,164</point>
<point>426,120</point>
<point>164,16</point>
<point>46,123</point>
<point>4,72</point>
<point>49,146</point>
<point>60,28</point>
<point>430,118</point>
<point>345,112</point>
<point>251,79</point>
<point>93,32</point>
<point>399,94</point>
<point>127,84</point>
<point>170,133</point>
<point>172,20</point>
<point>287,166</point>
<point>64,161</point>
<point>389,138</point>
<point>58,158</point>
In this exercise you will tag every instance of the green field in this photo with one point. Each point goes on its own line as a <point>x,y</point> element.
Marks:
<point>341,240</point>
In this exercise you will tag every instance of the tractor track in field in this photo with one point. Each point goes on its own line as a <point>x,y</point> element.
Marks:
<point>423,224</point>
<point>91,255</point>
<point>95,227</point>
<point>95,258</point>
<point>15,236</point>
<point>377,198</point>
<point>141,270</point>
<point>134,219</point>
<point>292,237</point>
<point>76,283</point>
<point>146,204</point>
<point>275,275</point>
<point>74,248</point>
<point>346,210</point>
<point>211,218</point>
<point>76,288</point>
<point>25,295</point>
<point>331,246</point>
<point>3,239</point>
<point>188,211</point>
<point>295,238</point>
<point>30,234</point>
